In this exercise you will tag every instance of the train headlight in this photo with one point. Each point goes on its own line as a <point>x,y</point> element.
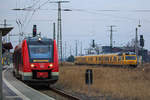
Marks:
<point>51,65</point>
<point>40,39</point>
<point>32,65</point>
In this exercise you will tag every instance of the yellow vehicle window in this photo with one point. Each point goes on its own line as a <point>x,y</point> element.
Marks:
<point>130,57</point>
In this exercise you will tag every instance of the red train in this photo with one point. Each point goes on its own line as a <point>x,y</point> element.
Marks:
<point>36,60</point>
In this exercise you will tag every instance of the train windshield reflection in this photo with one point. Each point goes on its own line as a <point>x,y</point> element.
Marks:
<point>40,51</point>
<point>130,57</point>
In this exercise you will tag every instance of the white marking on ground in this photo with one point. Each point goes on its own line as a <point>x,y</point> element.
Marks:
<point>12,97</point>
<point>33,90</point>
<point>14,89</point>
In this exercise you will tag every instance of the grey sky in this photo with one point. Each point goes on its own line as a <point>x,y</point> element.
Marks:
<point>85,22</point>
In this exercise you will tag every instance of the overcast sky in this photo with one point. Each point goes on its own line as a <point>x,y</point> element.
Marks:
<point>89,19</point>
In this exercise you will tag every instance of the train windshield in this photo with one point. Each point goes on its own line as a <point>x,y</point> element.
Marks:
<point>130,57</point>
<point>40,51</point>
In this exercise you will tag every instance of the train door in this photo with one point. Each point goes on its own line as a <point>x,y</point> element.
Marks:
<point>123,60</point>
<point>16,64</point>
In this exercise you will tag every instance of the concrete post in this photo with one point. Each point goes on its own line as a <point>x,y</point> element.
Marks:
<point>1,82</point>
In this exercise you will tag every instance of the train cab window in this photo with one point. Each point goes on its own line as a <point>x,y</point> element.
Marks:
<point>130,57</point>
<point>40,51</point>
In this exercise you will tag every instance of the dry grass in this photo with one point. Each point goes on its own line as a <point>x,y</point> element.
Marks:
<point>109,81</point>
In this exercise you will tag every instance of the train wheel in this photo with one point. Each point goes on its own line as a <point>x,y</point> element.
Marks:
<point>46,84</point>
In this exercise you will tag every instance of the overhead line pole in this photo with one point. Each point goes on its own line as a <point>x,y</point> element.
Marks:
<point>81,49</point>
<point>54,33</point>
<point>136,43</point>
<point>65,56</point>
<point>70,51</point>
<point>76,48</point>
<point>111,35</point>
<point>59,29</point>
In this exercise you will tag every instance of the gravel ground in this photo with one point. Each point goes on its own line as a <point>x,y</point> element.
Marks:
<point>109,83</point>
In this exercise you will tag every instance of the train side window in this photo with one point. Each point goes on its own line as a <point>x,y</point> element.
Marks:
<point>119,58</point>
<point>110,58</point>
<point>99,58</point>
<point>122,57</point>
<point>115,58</point>
<point>91,58</point>
<point>83,59</point>
<point>106,58</point>
<point>17,60</point>
<point>21,59</point>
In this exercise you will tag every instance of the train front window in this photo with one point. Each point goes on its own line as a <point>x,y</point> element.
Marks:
<point>130,57</point>
<point>40,51</point>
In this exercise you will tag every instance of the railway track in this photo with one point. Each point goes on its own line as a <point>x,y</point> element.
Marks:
<point>66,95</point>
<point>51,91</point>
<point>55,93</point>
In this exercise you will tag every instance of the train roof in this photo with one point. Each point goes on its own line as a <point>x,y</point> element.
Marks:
<point>34,39</point>
<point>37,38</point>
<point>108,54</point>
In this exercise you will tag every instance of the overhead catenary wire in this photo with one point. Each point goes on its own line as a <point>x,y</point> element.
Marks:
<point>105,10</point>
<point>34,12</point>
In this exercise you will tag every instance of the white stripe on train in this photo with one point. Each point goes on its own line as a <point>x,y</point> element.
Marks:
<point>30,73</point>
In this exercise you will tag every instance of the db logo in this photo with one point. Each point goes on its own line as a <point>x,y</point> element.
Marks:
<point>41,66</point>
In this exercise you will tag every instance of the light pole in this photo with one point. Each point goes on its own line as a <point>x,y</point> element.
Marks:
<point>136,42</point>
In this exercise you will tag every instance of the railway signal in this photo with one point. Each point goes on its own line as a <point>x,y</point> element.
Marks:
<point>34,30</point>
<point>142,45</point>
<point>141,41</point>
